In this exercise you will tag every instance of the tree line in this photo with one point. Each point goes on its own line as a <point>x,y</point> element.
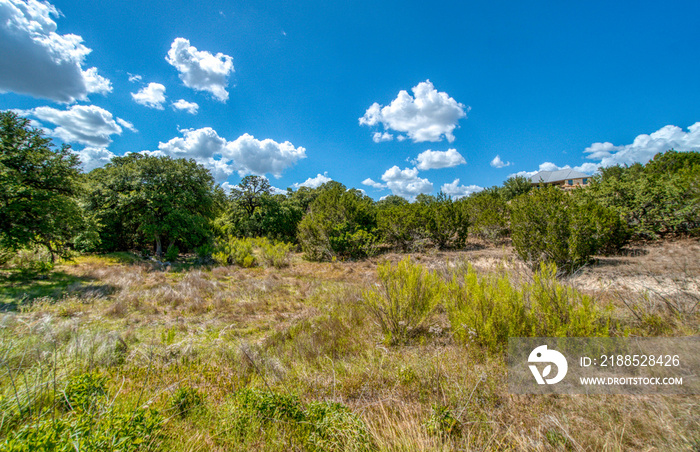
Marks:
<point>161,205</point>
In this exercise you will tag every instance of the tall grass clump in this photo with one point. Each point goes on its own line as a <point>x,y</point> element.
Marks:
<point>404,299</point>
<point>487,309</point>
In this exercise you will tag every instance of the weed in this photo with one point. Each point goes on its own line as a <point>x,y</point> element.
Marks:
<point>443,422</point>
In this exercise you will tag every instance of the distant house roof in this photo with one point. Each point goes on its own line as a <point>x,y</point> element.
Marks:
<point>556,176</point>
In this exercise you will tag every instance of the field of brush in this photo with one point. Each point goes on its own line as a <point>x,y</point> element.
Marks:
<point>114,352</point>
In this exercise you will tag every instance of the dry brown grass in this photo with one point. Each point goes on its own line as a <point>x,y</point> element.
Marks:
<point>301,330</point>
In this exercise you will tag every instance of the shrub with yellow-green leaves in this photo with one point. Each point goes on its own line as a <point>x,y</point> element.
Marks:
<point>403,300</point>
<point>249,252</point>
<point>487,309</point>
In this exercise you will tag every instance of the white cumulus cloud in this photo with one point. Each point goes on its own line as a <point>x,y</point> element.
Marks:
<point>371,183</point>
<point>264,156</point>
<point>189,107</point>
<point>40,62</point>
<point>644,146</point>
<point>439,159</point>
<point>428,115</point>
<point>588,168</point>
<point>314,182</point>
<point>641,150</point>
<point>203,145</point>
<point>459,191</point>
<point>245,155</point>
<point>201,70</point>
<point>86,124</point>
<point>380,137</point>
<point>498,163</point>
<point>151,96</point>
<point>406,182</point>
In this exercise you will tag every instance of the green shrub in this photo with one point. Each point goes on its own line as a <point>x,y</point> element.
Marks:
<point>550,225</point>
<point>125,431</point>
<point>204,253</point>
<point>88,239</point>
<point>185,400</point>
<point>30,260</point>
<point>446,225</point>
<point>442,422</point>
<point>282,419</point>
<point>488,309</point>
<point>339,223</point>
<point>235,251</point>
<point>401,225</point>
<point>172,253</point>
<point>84,391</point>
<point>488,214</point>
<point>404,299</point>
<point>248,252</point>
<point>655,199</point>
<point>86,422</point>
<point>276,255</point>
<point>333,427</point>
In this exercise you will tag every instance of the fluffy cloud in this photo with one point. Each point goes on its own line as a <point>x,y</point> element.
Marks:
<point>94,157</point>
<point>204,146</point>
<point>86,124</point>
<point>189,107</point>
<point>40,62</point>
<point>264,156</point>
<point>126,124</point>
<point>376,185</point>
<point>380,137</point>
<point>498,163</point>
<point>152,96</point>
<point>199,69</point>
<point>644,147</point>
<point>459,191</point>
<point>245,155</point>
<point>406,182</point>
<point>588,168</point>
<point>641,150</point>
<point>425,116</point>
<point>439,159</point>
<point>314,182</point>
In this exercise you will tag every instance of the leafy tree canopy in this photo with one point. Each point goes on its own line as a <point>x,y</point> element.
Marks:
<point>161,200</point>
<point>38,188</point>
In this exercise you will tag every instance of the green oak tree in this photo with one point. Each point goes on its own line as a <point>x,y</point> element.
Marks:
<point>140,199</point>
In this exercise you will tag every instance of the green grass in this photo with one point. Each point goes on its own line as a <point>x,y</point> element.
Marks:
<point>20,289</point>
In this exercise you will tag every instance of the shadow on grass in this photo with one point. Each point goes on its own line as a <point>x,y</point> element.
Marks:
<point>21,288</point>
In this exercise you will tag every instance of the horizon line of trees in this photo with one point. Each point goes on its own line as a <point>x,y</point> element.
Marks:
<point>164,205</point>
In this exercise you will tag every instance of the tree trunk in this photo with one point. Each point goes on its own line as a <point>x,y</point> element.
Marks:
<point>159,248</point>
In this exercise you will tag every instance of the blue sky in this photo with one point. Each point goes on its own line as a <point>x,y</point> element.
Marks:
<point>391,97</point>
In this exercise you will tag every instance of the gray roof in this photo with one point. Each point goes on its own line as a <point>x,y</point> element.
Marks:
<point>556,176</point>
